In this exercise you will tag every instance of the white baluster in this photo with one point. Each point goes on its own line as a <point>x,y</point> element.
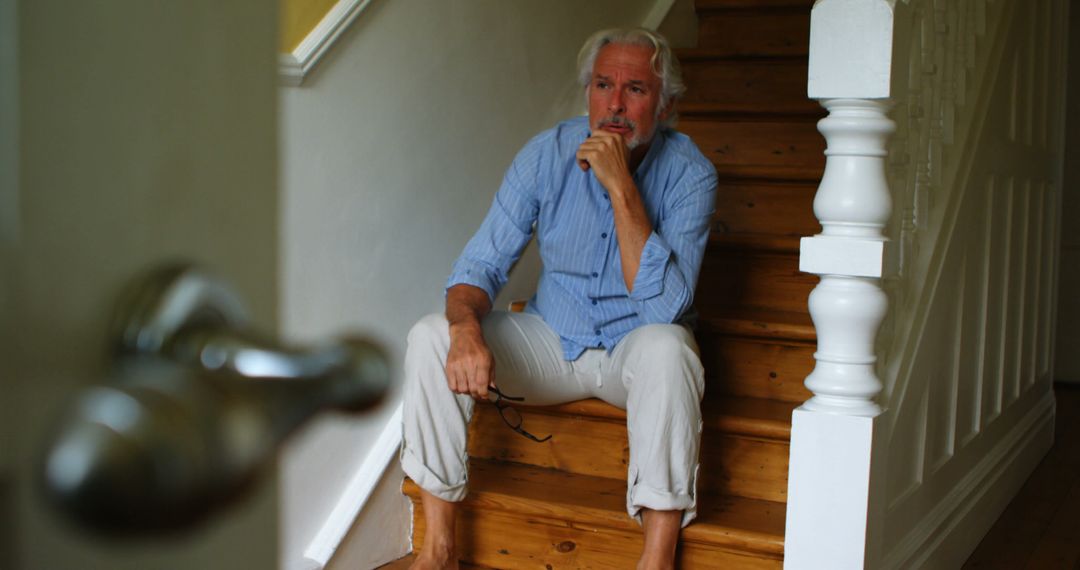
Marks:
<point>835,507</point>
<point>847,312</point>
<point>831,507</point>
<point>848,306</point>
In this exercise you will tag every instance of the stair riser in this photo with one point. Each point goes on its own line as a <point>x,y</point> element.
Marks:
<point>740,86</point>
<point>507,541</point>
<point>600,448</point>
<point>766,208</point>
<point>752,149</point>
<point>752,279</point>
<point>756,369</point>
<point>770,32</point>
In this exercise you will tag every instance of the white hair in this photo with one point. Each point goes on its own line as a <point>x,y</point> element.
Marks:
<point>664,63</point>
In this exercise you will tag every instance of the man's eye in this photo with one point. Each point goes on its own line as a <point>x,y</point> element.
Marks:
<point>637,90</point>
<point>601,85</point>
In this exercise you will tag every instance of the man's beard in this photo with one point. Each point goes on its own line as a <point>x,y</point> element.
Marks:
<point>635,141</point>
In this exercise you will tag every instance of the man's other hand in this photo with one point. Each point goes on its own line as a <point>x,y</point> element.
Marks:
<point>607,155</point>
<point>470,367</point>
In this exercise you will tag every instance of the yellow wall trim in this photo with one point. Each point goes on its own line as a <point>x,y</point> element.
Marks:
<point>298,19</point>
<point>296,63</point>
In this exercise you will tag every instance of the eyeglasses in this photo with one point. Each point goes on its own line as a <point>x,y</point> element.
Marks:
<point>510,415</point>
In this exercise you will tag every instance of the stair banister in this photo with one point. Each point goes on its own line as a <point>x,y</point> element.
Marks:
<point>832,500</point>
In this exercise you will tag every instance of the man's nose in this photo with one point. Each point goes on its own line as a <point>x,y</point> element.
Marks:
<point>615,103</point>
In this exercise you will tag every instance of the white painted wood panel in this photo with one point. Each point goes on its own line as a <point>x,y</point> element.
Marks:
<point>974,173</point>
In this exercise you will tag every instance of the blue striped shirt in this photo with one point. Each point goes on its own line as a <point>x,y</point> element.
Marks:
<point>582,294</point>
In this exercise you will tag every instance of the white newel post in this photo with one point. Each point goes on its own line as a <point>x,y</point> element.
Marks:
<point>832,504</point>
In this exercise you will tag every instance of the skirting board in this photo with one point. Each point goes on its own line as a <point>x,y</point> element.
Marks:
<point>356,494</point>
<point>292,67</point>
<point>948,534</point>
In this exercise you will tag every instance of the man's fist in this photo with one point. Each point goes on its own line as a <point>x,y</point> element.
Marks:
<point>607,155</point>
<point>470,367</point>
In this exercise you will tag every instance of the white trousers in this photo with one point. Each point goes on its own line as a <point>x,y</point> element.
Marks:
<point>654,373</point>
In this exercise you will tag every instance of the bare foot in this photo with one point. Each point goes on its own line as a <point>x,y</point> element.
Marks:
<point>435,559</point>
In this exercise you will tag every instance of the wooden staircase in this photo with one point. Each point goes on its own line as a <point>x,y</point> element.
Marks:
<point>561,504</point>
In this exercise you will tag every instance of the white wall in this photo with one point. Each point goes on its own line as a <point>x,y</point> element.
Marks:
<point>391,152</point>
<point>1067,352</point>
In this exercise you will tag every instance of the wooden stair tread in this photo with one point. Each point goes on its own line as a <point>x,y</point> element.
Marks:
<point>762,323</point>
<point>758,417</point>
<point>750,417</point>
<point>754,241</point>
<point>751,525</point>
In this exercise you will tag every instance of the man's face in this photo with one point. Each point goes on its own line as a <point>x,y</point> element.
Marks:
<point>624,94</point>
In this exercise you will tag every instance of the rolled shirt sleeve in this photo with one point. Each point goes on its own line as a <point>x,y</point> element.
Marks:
<point>671,259</point>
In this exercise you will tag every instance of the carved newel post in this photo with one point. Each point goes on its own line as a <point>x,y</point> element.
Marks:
<point>848,305</point>
<point>835,496</point>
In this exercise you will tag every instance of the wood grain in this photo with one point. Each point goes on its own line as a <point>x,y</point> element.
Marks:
<point>746,85</point>
<point>778,31</point>
<point>520,516</point>
<point>760,148</point>
<point>756,207</point>
<point>747,278</point>
<point>1040,529</point>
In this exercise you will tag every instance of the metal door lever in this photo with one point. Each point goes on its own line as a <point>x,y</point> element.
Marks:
<point>196,404</point>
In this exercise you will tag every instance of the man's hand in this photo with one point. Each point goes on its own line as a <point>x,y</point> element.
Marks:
<point>608,157</point>
<point>470,368</point>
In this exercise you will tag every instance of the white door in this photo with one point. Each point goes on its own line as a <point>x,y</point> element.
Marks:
<point>131,133</point>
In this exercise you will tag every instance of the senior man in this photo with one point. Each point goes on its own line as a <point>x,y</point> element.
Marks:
<point>620,204</point>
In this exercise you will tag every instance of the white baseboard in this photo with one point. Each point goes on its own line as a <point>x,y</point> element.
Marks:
<point>947,535</point>
<point>356,494</point>
<point>292,67</point>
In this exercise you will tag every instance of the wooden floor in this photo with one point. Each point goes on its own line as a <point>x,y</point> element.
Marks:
<point>1040,529</point>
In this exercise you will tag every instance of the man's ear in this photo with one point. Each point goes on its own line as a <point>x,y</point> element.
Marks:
<point>665,111</point>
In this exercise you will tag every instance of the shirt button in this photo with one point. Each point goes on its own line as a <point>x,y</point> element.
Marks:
<point>595,274</point>
<point>598,332</point>
<point>603,235</point>
<point>606,197</point>
<point>594,301</point>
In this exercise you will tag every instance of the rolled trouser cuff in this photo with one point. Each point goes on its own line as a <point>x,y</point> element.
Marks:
<point>640,496</point>
<point>430,482</point>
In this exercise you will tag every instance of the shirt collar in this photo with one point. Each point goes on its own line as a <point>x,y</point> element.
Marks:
<point>657,145</point>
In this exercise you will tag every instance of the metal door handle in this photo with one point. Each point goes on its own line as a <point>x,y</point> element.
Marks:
<point>196,404</point>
